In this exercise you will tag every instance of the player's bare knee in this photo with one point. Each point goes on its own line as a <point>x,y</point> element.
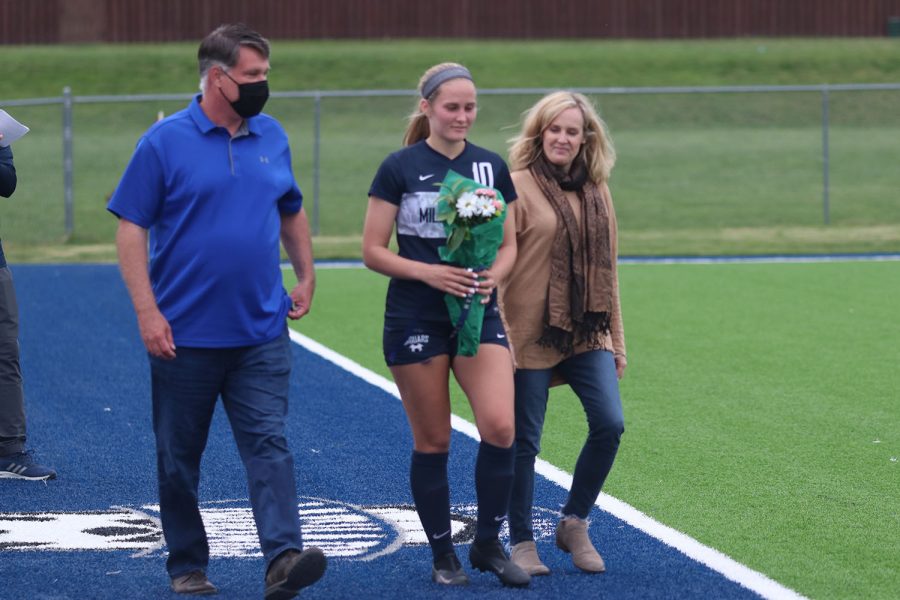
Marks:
<point>501,434</point>
<point>432,445</point>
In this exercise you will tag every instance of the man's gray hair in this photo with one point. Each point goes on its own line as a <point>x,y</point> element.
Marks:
<point>222,47</point>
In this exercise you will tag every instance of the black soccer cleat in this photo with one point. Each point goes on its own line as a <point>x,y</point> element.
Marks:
<point>490,556</point>
<point>447,570</point>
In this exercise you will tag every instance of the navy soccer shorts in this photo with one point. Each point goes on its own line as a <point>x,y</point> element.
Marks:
<point>409,341</point>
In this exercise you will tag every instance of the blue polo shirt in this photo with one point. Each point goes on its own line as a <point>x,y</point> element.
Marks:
<point>213,206</point>
<point>410,178</point>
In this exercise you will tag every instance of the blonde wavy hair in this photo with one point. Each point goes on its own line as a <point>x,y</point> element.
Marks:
<point>597,152</point>
<point>418,128</point>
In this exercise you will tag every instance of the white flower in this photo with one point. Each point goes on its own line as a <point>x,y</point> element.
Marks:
<point>466,205</point>
<point>485,206</point>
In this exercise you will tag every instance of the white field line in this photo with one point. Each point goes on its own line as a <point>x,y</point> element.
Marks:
<point>712,558</point>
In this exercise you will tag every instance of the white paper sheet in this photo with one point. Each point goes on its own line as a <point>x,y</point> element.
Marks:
<point>10,128</point>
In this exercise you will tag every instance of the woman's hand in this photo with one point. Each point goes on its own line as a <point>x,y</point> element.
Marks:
<point>621,363</point>
<point>450,280</point>
<point>486,285</point>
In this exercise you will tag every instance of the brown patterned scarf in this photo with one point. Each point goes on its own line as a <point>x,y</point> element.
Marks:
<point>579,299</point>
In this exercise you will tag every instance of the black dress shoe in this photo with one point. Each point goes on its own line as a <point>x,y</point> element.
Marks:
<point>448,571</point>
<point>292,571</point>
<point>490,556</point>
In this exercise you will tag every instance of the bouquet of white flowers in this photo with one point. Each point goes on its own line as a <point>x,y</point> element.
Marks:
<point>473,217</point>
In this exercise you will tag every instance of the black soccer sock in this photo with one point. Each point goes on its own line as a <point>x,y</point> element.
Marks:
<point>431,492</point>
<point>493,485</point>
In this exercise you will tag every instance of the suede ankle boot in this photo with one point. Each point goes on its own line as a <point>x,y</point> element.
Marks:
<point>525,555</point>
<point>572,537</point>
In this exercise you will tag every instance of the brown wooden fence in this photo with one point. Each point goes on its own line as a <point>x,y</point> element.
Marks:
<point>55,21</point>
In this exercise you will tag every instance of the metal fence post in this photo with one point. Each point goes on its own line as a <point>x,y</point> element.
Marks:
<point>317,133</point>
<point>67,161</point>
<point>825,157</point>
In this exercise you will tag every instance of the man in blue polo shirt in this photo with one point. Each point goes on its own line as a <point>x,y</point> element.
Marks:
<point>213,189</point>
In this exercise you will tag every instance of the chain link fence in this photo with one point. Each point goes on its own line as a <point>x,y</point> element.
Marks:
<point>689,158</point>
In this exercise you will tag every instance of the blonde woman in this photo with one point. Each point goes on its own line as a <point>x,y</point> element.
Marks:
<point>566,328</point>
<point>419,344</point>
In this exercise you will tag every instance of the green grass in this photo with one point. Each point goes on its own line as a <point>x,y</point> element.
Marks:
<point>697,174</point>
<point>396,64</point>
<point>760,405</point>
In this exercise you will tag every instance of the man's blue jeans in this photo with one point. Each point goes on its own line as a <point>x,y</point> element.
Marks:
<point>592,376</point>
<point>253,382</point>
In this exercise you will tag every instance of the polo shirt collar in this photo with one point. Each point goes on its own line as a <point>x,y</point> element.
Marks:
<point>205,125</point>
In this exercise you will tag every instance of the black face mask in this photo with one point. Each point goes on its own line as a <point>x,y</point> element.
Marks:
<point>251,97</point>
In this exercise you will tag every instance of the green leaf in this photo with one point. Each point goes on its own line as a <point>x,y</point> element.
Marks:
<point>445,211</point>
<point>456,238</point>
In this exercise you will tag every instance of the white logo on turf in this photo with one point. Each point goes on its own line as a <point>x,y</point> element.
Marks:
<point>340,529</point>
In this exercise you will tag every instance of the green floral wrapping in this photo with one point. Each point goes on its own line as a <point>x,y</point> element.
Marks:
<point>471,244</point>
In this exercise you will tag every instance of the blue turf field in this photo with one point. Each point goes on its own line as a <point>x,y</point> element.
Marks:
<point>92,533</point>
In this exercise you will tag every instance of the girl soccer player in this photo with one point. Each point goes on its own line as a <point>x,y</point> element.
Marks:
<point>419,342</point>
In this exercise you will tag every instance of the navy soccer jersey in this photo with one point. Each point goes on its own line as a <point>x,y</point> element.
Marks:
<point>410,178</point>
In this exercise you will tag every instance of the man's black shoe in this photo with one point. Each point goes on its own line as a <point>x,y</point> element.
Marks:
<point>448,571</point>
<point>292,571</point>
<point>490,556</point>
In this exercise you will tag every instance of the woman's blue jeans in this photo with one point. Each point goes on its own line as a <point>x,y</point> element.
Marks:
<point>592,376</point>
